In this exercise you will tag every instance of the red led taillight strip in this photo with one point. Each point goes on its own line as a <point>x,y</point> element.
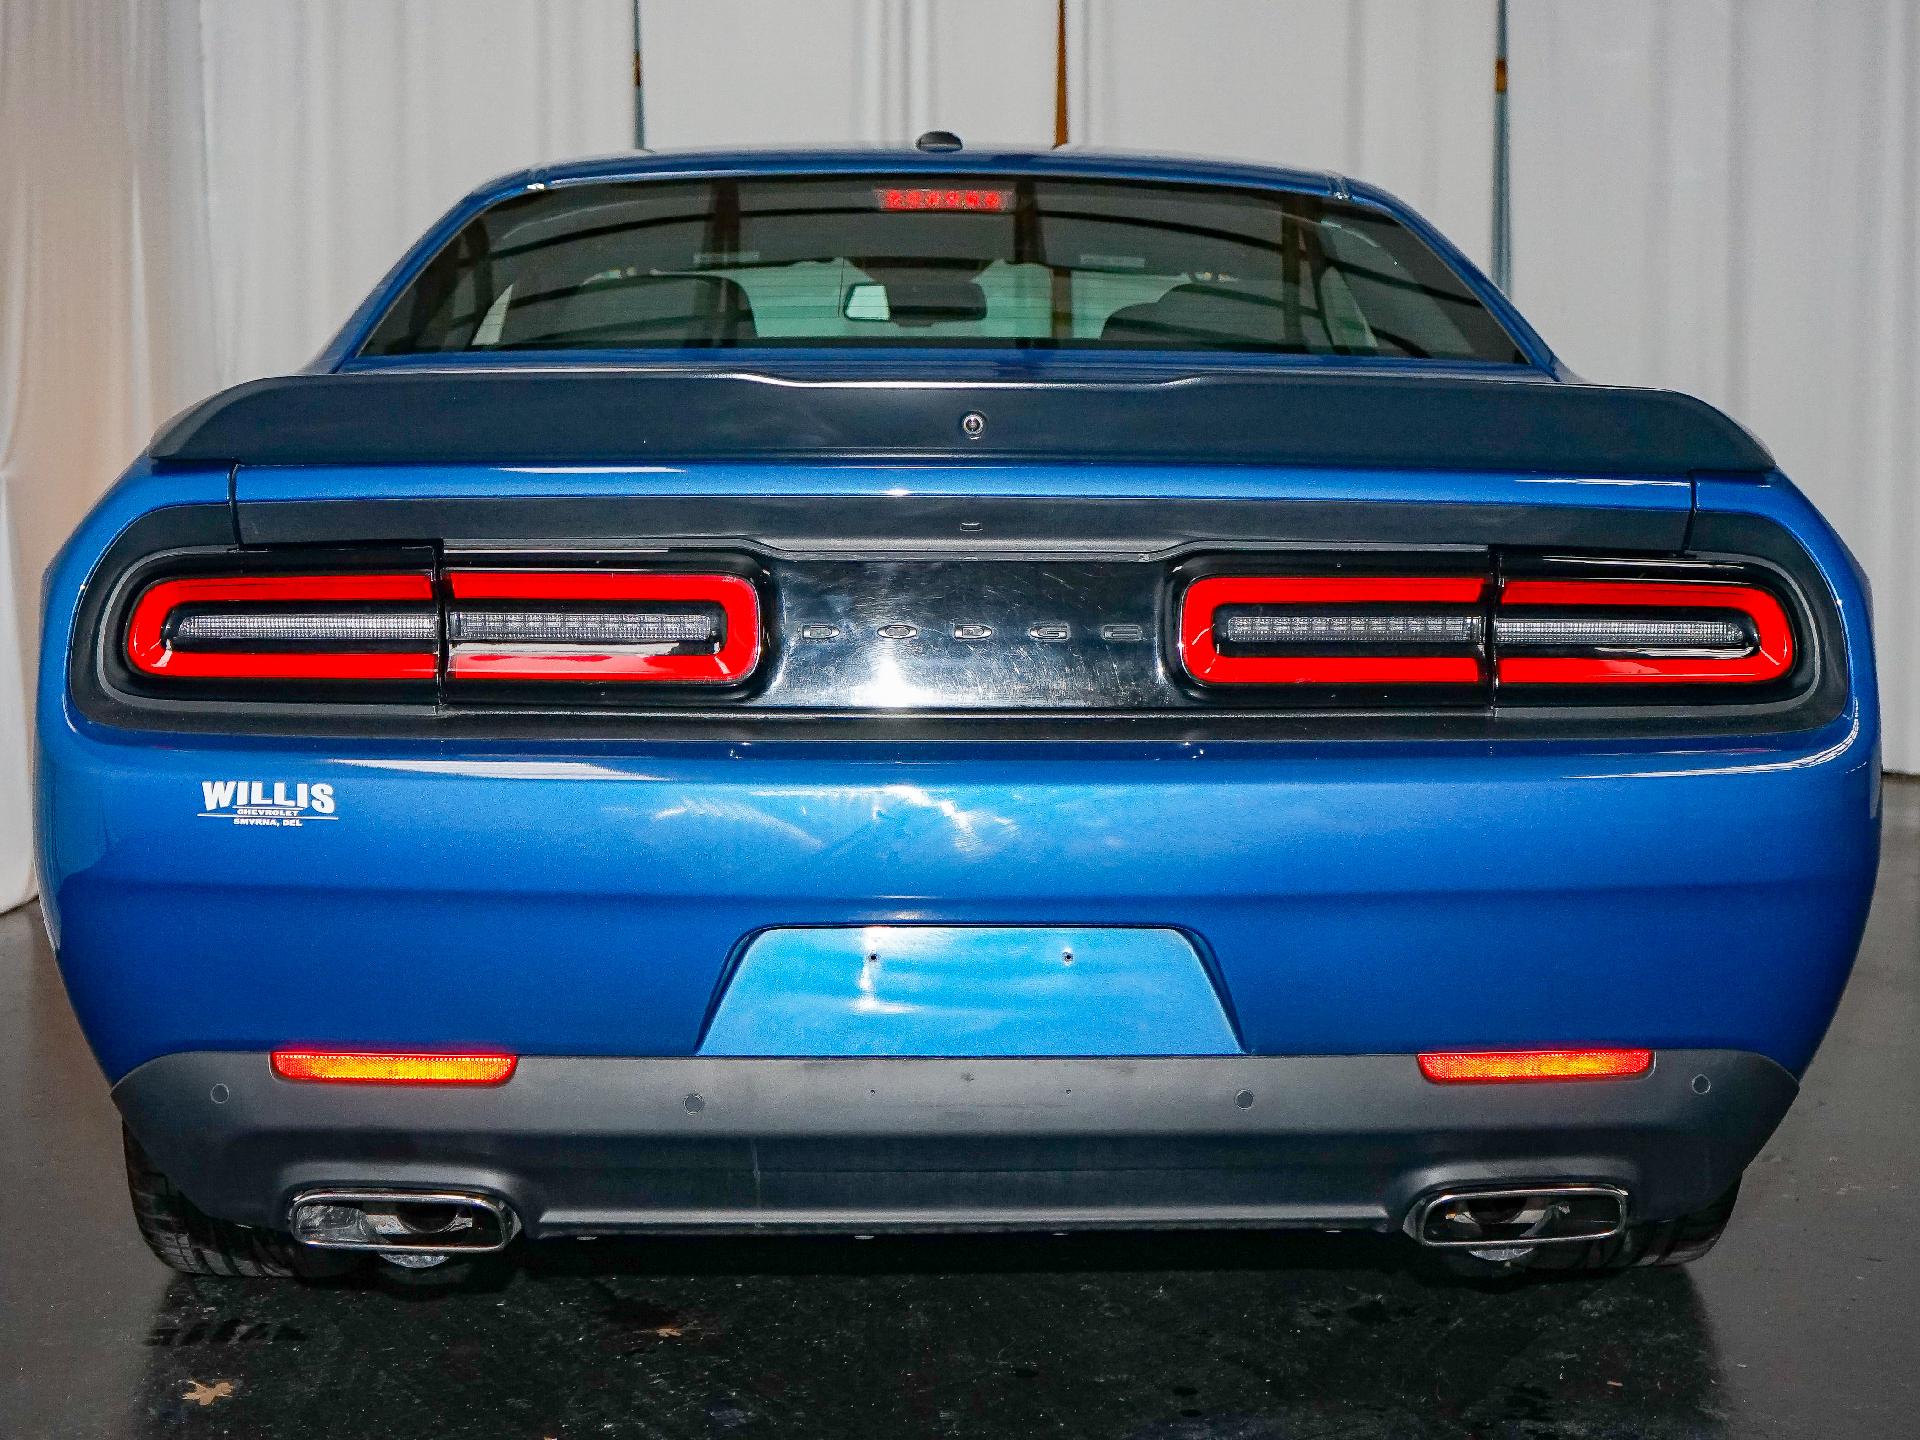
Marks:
<point>151,651</point>
<point>966,197</point>
<point>1201,655</point>
<point>732,659</point>
<point>1495,1066</point>
<point>1770,657</point>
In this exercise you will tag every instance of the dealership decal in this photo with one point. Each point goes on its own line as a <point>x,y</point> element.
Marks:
<point>266,802</point>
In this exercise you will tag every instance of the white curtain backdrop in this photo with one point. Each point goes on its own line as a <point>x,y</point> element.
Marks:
<point>745,72</point>
<point>92,243</point>
<point>196,192</point>
<point>1718,195</point>
<point>336,132</point>
<point>1723,196</point>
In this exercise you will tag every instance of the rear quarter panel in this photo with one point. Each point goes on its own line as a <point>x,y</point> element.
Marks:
<point>564,897</point>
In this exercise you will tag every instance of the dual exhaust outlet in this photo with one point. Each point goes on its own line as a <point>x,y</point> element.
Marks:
<point>1494,1223</point>
<point>1504,1223</point>
<point>407,1226</point>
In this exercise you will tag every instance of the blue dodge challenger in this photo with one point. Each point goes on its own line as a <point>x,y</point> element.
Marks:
<point>936,690</point>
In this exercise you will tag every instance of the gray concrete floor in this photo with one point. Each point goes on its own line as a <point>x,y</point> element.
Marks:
<point>1803,1323</point>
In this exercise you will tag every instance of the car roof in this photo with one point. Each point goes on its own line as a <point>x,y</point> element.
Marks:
<point>905,160</point>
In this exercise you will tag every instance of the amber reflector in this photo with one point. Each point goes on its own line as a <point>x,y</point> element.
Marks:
<point>382,1068</point>
<point>1455,1069</point>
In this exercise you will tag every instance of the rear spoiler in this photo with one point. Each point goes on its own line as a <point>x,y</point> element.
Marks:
<point>565,416</point>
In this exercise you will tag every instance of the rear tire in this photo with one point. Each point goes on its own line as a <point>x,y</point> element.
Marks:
<point>1662,1242</point>
<point>1683,1241</point>
<point>187,1239</point>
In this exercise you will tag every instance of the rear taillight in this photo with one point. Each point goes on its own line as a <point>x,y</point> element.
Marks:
<point>287,627</point>
<point>1640,632</point>
<point>602,626</point>
<point>563,626</point>
<point>1454,633</point>
<point>1272,630</point>
<point>1334,630</point>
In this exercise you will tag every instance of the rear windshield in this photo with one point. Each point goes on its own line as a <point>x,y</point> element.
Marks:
<point>981,262</point>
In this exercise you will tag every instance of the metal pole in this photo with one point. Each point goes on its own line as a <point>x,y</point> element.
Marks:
<point>1059,74</point>
<point>639,97</point>
<point>1502,186</point>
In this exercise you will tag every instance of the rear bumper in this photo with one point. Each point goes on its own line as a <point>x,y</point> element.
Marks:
<point>588,1146</point>
<point>1358,899</point>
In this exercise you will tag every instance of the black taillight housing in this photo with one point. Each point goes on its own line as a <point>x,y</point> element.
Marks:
<point>1590,630</point>
<point>602,627</point>
<point>1552,632</point>
<point>742,641</point>
<point>306,630</point>
<point>1321,630</point>
<point>287,626</point>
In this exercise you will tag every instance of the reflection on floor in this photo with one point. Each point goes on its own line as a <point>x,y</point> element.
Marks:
<point>1801,1324</point>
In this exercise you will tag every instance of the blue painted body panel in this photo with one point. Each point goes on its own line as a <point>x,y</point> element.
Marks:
<point>970,991</point>
<point>570,897</point>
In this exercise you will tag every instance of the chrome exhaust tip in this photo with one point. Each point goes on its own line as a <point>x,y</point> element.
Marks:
<point>402,1223</point>
<point>1505,1222</point>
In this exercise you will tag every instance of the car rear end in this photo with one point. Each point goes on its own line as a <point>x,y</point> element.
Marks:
<point>911,779</point>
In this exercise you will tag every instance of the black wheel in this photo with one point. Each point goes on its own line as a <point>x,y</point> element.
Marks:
<point>193,1242</point>
<point>1663,1242</point>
